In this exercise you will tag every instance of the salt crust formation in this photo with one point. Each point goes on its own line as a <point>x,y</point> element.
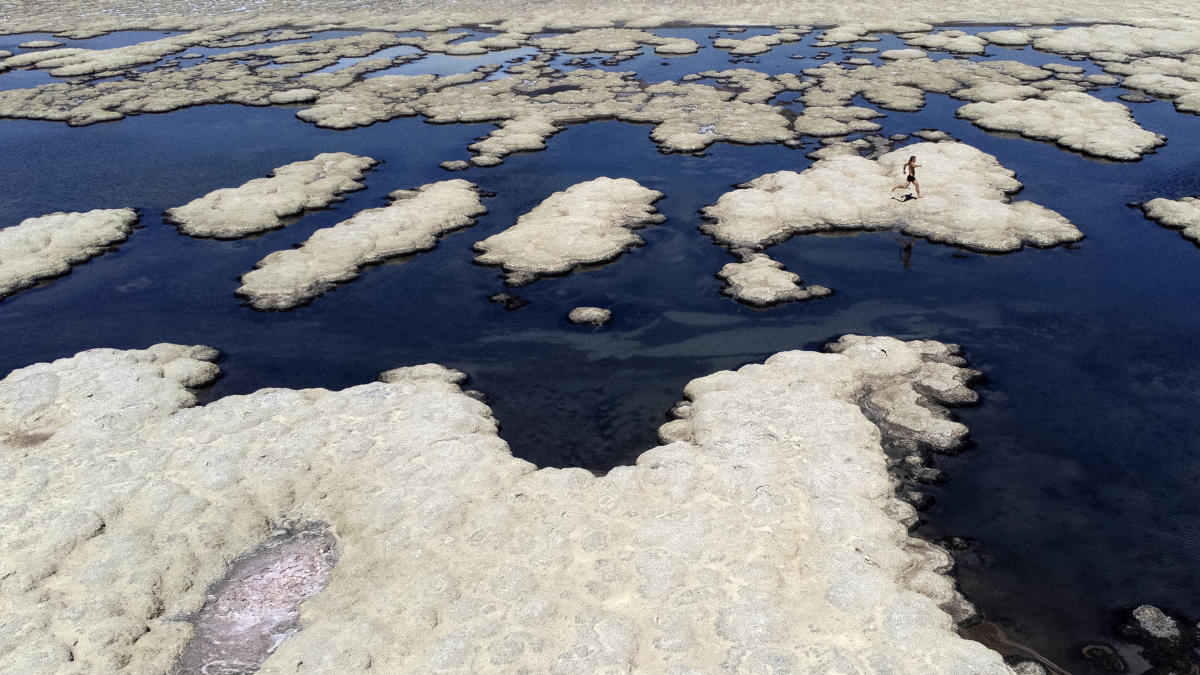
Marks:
<point>1175,79</point>
<point>45,247</point>
<point>762,282</point>
<point>763,535</point>
<point>1073,120</point>
<point>536,100</point>
<point>1182,214</point>
<point>264,203</point>
<point>965,202</point>
<point>589,222</point>
<point>589,316</point>
<point>413,222</point>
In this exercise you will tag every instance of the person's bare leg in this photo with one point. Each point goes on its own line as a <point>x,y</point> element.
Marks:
<point>918,187</point>
<point>899,187</point>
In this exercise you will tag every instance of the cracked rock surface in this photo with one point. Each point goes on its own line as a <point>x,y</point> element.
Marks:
<point>45,247</point>
<point>763,534</point>
<point>413,222</point>
<point>589,222</point>
<point>263,203</point>
<point>966,202</point>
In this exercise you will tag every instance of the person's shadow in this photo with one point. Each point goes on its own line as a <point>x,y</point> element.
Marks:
<point>905,198</point>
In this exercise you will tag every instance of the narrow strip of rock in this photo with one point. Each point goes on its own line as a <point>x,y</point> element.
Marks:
<point>1182,214</point>
<point>763,536</point>
<point>46,246</point>
<point>762,282</point>
<point>589,222</point>
<point>263,203</point>
<point>1073,120</point>
<point>965,202</point>
<point>413,222</point>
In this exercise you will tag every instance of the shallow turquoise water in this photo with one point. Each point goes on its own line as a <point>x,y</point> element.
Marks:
<point>1082,490</point>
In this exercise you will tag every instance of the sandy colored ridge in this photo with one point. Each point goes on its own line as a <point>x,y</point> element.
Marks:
<point>589,222</point>
<point>47,246</point>
<point>762,282</point>
<point>966,202</point>
<point>90,17</point>
<point>1181,214</point>
<point>412,223</point>
<point>757,540</point>
<point>266,203</point>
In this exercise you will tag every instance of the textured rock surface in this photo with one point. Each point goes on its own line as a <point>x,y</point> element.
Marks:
<point>589,316</point>
<point>413,222</point>
<point>1182,214</point>
<point>263,203</point>
<point>1073,120</point>
<point>966,202</point>
<point>46,247</point>
<point>760,281</point>
<point>589,222</point>
<point>763,535</point>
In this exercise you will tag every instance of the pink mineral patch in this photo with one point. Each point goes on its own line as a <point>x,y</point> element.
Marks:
<point>256,606</point>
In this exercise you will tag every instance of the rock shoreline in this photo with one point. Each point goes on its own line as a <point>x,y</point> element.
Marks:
<point>763,533</point>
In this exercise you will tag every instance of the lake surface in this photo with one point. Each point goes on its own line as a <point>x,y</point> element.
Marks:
<point>1082,490</point>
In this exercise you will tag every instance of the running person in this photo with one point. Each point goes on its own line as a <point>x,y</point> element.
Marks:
<point>910,171</point>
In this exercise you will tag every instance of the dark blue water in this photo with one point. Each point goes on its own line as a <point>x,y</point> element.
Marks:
<point>1082,492</point>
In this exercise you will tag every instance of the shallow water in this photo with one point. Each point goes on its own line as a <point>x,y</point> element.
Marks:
<point>1082,492</point>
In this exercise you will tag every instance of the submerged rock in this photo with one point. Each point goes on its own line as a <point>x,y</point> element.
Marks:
<point>1182,214</point>
<point>263,203</point>
<point>256,606</point>
<point>47,246</point>
<point>590,316</point>
<point>1073,120</point>
<point>589,222</point>
<point>413,222</point>
<point>762,282</point>
<point>965,202</point>
<point>124,502</point>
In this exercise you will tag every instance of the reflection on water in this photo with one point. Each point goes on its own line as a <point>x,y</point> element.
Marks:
<point>1082,493</point>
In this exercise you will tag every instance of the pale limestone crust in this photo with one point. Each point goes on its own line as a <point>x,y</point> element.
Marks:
<point>264,203</point>
<point>124,501</point>
<point>758,44</point>
<point>951,41</point>
<point>902,81</point>
<point>589,316</point>
<point>762,282</point>
<point>1182,214</point>
<point>1073,120</point>
<point>413,222</point>
<point>965,202</point>
<point>1118,42</point>
<point>589,222</point>
<point>47,246</point>
<point>1006,38</point>
<point>835,120</point>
